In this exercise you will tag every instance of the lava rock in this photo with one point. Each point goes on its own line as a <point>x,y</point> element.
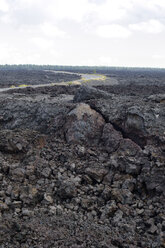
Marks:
<point>96,174</point>
<point>84,125</point>
<point>67,190</point>
<point>129,157</point>
<point>86,93</point>
<point>111,138</point>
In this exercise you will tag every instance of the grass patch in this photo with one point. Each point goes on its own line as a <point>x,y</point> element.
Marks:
<point>70,83</point>
<point>23,85</point>
<point>100,78</point>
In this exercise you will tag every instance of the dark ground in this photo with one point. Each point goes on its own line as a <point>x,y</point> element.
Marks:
<point>32,77</point>
<point>129,83</point>
<point>81,167</point>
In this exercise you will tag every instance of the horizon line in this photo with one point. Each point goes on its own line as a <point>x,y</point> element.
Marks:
<point>90,66</point>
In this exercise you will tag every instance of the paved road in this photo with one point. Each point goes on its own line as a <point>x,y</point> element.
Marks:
<point>85,78</point>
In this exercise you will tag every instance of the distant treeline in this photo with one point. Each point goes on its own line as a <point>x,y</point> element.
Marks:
<point>80,69</point>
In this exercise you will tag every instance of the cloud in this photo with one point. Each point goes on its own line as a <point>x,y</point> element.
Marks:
<point>51,30</point>
<point>98,61</point>
<point>104,12</point>
<point>113,31</point>
<point>107,61</point>
<point>151,26</point>
<point>10,54</point>
<point>158,56</point>
<point>4,7</point>
<point>5,19</point>
<point>112,10</point>
<point>35,54</point>
<point>41,43</point>
<point>75,10</point>
<point>36,31</point>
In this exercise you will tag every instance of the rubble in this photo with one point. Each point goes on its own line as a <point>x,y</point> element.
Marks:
<point>82,174</point>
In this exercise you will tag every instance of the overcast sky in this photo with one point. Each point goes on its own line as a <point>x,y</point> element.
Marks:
<point>83,32</point>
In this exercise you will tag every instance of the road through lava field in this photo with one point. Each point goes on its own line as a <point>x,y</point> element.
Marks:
<point>83,165</point>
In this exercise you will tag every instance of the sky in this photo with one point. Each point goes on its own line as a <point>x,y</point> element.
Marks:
<point>83,32</point>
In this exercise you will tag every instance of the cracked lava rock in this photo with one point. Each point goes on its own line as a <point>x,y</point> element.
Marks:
<point>81,171</point>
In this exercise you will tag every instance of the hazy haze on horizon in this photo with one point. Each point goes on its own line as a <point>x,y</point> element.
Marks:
<point>83,32</point>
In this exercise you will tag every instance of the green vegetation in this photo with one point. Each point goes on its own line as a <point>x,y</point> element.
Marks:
<point>100,78</point>
<point>23,85</point>
<point>70,83</point>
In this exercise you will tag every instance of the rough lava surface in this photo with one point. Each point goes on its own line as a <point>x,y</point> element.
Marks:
<point>85,169</point>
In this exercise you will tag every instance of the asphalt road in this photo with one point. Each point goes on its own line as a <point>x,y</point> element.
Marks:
<point>90,79</point>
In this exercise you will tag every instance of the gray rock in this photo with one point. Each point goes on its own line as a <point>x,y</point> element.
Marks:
<point>46,172</point>
<point>85,93</point>
<point>39,113</point>
<point>81,151</point>
<point>17,174</point>
<point>111,138</point>
<point>27,212</point>
<point>106,193</point>
<point>138,119</point>
<point>84,125</point>
<point>154,178</point>
<point>3,206</point>
<point>96,173</point>
<point>129,157</point>
<point>59,194</point>
<point>160,98</point>
<point>67,190</point>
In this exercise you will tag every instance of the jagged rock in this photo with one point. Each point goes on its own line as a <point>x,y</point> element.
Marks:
<point>3,206</point>
<point>106,193</point>
<point>134,125</point>
<point>46,172</point>
<point>109,210</point>
<point>139,119</point>
<point>117,195</point>
<point>12,141</point>
<point>39,113</point>
<point>67,190</point>
<point>27,212</point>
<point>84,125</point>
<point>108,178</point>
<point>85,93</point>
<point>87,203</point>
<point>55,193</point>
<point>129,183</point>
<point>29,195</point>
<point>96,173</point>
<point>17,174</point>
<point>111,138</point>
<point>154,177</point>
<point>4,165</point>
<point>19,141</point>
<point>4,230</point>
<point>81,151</point>
<point>159,98</point>
<point>129,157</point>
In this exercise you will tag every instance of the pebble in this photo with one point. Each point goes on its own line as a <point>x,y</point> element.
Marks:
<point>140,211</point>
<point>48,198</point>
